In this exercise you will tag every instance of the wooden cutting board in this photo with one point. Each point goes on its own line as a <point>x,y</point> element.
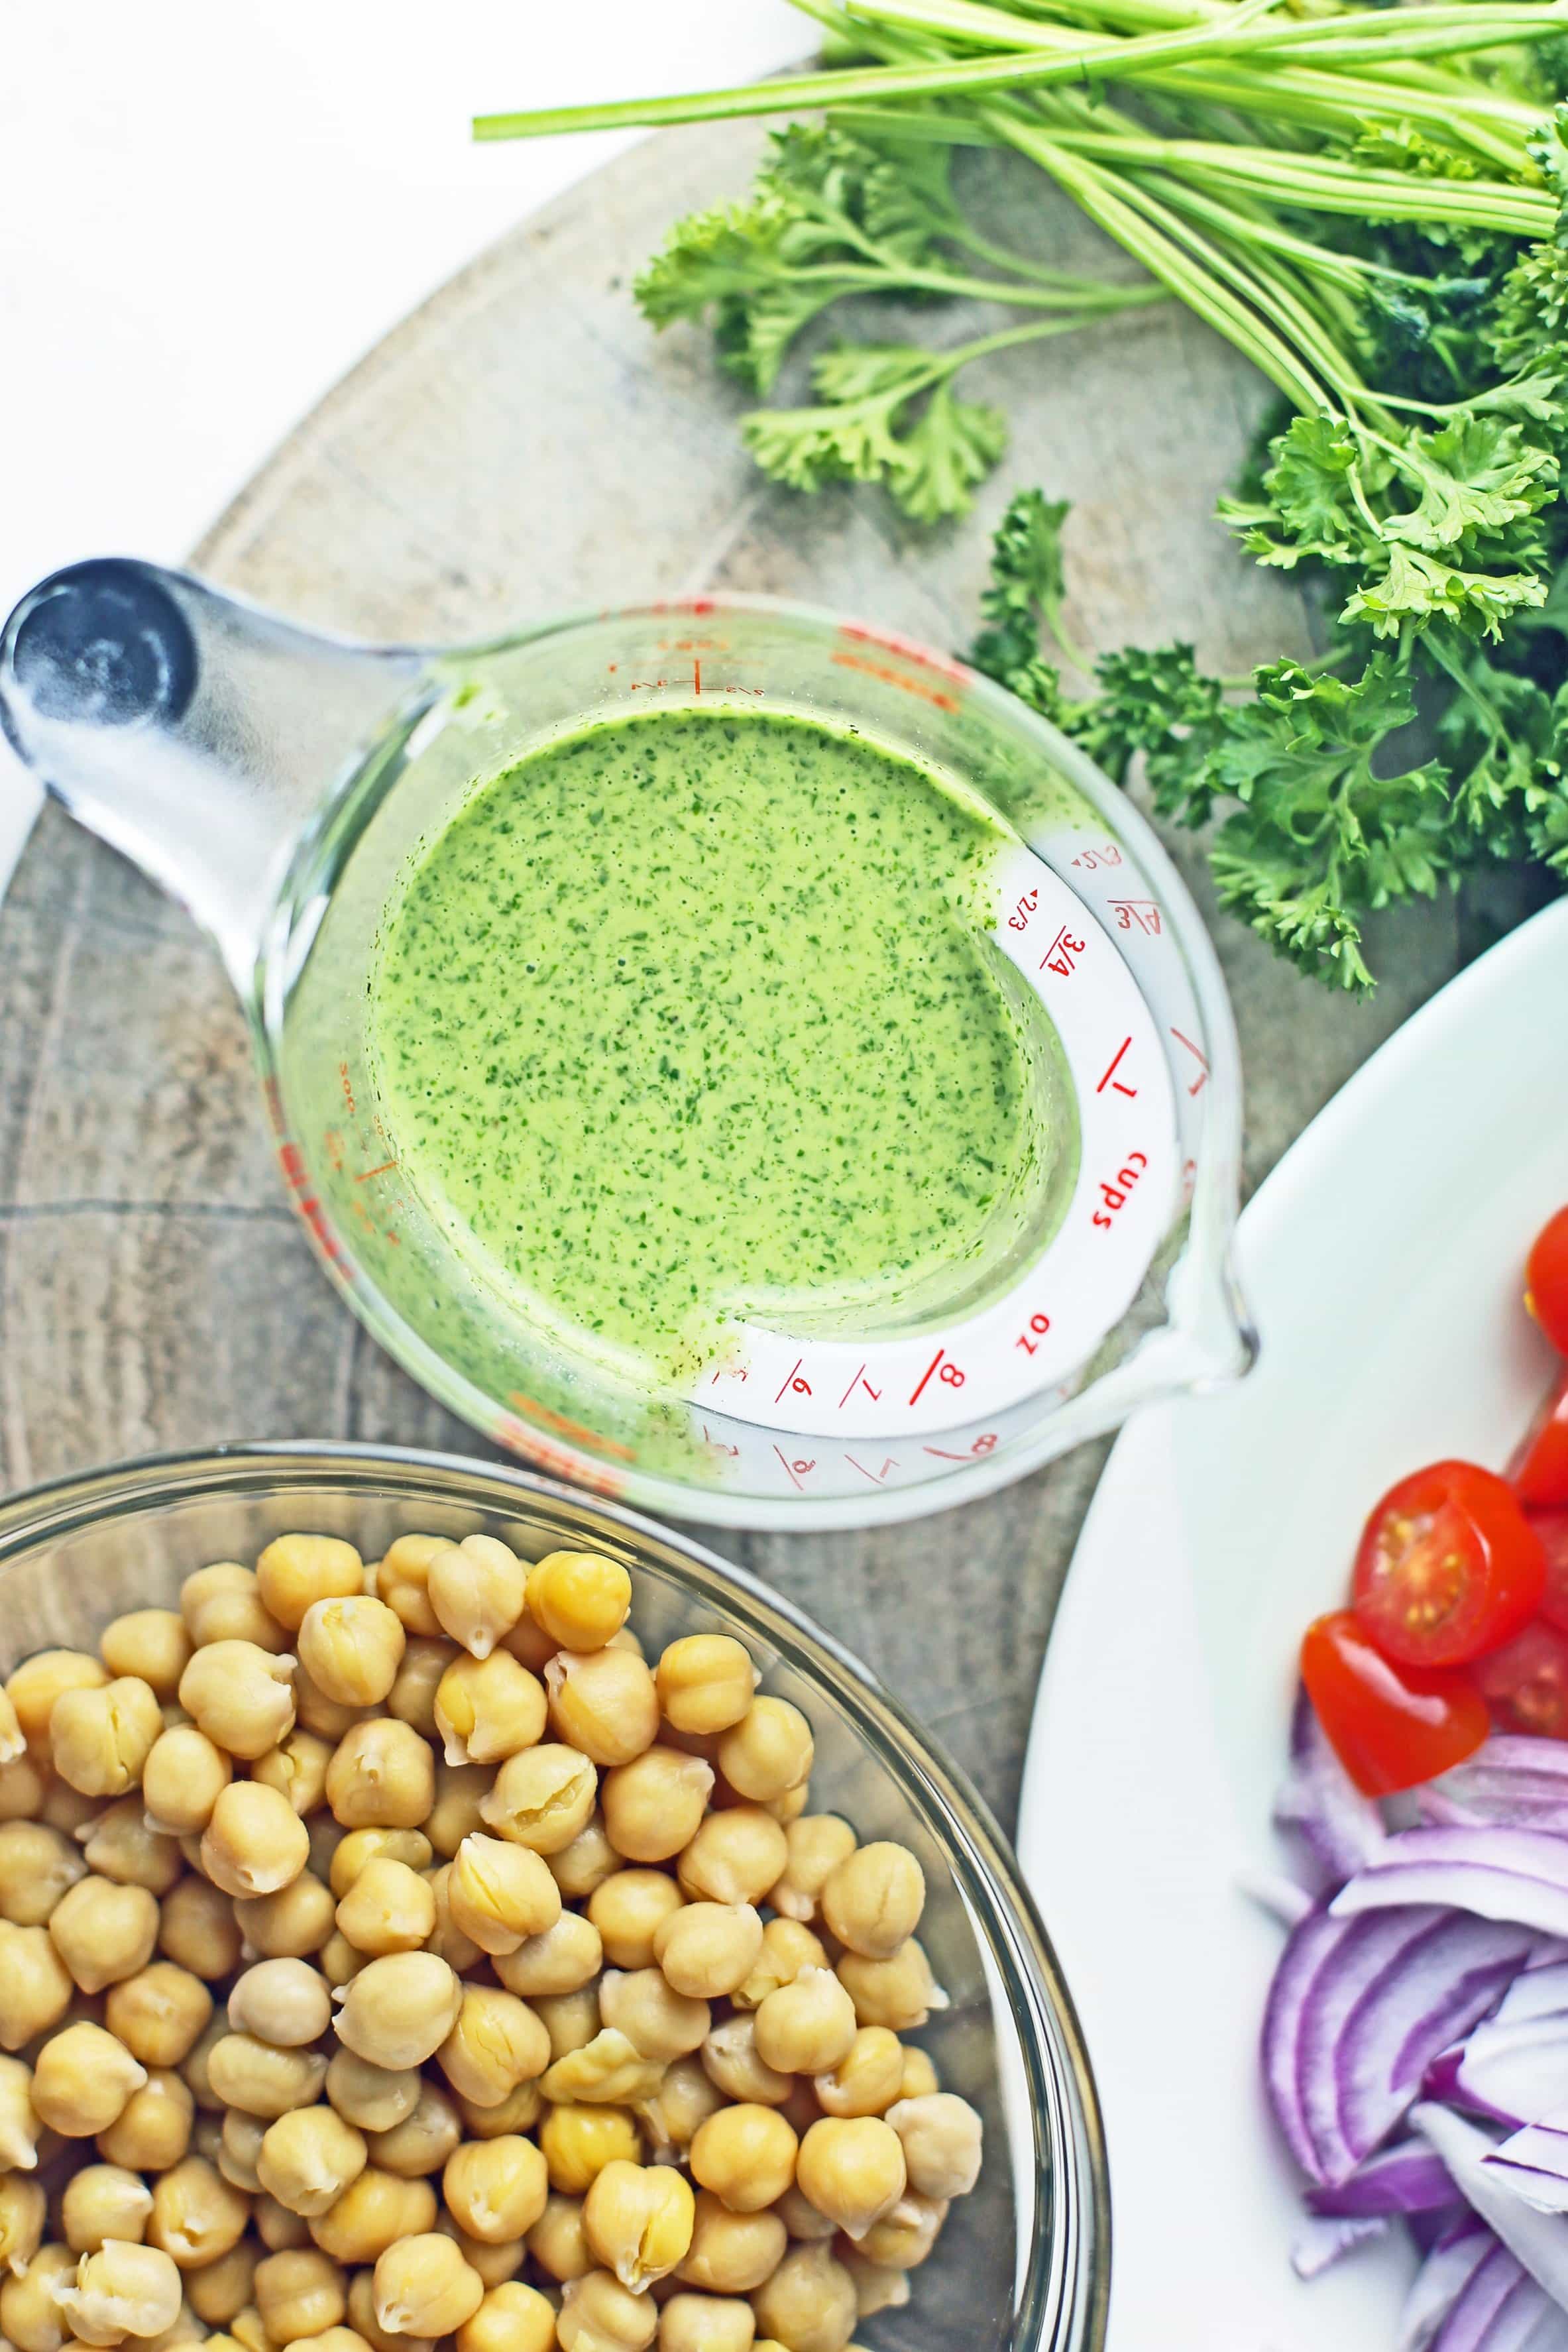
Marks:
<point>523,443</point>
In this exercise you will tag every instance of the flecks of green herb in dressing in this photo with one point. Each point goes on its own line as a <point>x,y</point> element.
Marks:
<point>689,1015</point>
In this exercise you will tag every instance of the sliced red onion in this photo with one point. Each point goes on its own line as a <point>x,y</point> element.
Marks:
<point>1500,2309</point>
<point>1442,2277</point>
<point>1496,1873</point>
<point>1321,2242</point>
<point>1339,1828</point>
<point>1514,2067</point>
<point>1535,2163</point>
<point>1279,1897</point>
<point>1513,1779</point>
<point>1359,2009</point>
<point>1538,2241</point>
<point>1404,2179</point>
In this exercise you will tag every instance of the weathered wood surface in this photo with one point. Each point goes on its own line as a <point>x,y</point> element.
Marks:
<point>520,445</point>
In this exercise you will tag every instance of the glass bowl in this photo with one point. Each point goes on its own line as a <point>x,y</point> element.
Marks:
<point>1022,2264</point>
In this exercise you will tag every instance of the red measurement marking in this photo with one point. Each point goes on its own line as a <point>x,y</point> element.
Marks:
<point>697,677</point>
<point>719,1445</point>
<point>366,1174</point>
<point>1143,912</point>
<point>1062,955</point>
<point>511,1433</point>
<point>336,1149</point>
<point>861,1381</point>
<point>792,1468</point>
<point>891,677</point>
<point>570,1428</point>
<point>876,1476</point>
<point>347,1084</point>
<point>1039,1324</point>
<point>732,1372</point>
<point>982,1445</point>
<point>801,1388</point>
<point>1111,1079</point>
<point>1201,1081</point>
<point>1106,854</point>
<point>1018,921</point>
<point>950,1374</point>
<point>859,634</point>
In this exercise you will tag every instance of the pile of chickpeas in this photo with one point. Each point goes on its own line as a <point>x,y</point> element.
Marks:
<point>390,1954</point>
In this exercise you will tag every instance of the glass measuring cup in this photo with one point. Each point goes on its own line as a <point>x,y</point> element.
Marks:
<point>278,782</point>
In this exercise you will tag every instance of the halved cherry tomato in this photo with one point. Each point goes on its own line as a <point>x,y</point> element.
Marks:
<point>1526,1685</point>
<point>1546,1280</point>
<point>1551,1526</point>
<point>1540,1468</point>
<point>1391,1726</point>
<point>1447,1567</point>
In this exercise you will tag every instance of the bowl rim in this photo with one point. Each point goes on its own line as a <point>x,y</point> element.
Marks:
<point>1065,2294</point>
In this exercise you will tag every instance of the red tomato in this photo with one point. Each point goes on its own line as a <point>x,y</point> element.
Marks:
<point>1546,1280</point>
<point>1447,1567</point>
<point>1391,1726</point>
<point>1540,1468</point>
<point>1527,1684</point>
<point>1551,1526</point>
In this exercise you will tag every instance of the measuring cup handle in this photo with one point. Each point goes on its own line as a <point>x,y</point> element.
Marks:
<point>102,644</point>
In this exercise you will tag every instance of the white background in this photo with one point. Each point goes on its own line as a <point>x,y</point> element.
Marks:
<point>209,209</point>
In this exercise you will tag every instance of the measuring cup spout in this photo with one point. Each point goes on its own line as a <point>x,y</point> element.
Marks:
<point>192,731</point>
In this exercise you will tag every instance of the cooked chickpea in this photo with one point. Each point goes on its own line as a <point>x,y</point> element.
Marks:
<point>22,1787</point>
<point>160,2013</point>
<point>577,2142</point>
<point>373,2098</point>
<point>704,2322</point>
<point>942,2139</point>
<point>356,1848</point>
<point>13,1745</point>
<point>278,2229</point>
<point>541,1798</point>
<point>586,1863</point>
<point>224,1603</point>
<point>411,1698</point>
<point>789,1807</point>
<point>423,2287</point>
<point>746,2156</point>
<point>289,1925</point>
<point>197,2214</point>
<point>37,1865</point>
<point>598,2314</point>
<point>788,1946</point>
<point>731,2253</point>
<point>557,2242</point>
<point>119,1845</point>
<point>495,2263</point>
<point>873,1899</point>
<point>628,1908</point>
<point>152,1644</point>
<point>300,2291</point>
<point>609,2068</point>
<point>373,2213</point>
<point>807,2026</point>
<point>239,2146</point>
<point>706,1949</point>
<point>559,1959</point>
<point>899,1993</point>
<point>768,1752</point>
<point>488,1708</point>
<point>81,2081</point>
<point>475,1589</point>
<point>495,2190</point>
<point>496,2042</point>
<point>731,2059</point>
<point>459,1951</point>
<point>852,2169</point>
<point>101,1739</point>
<point>197,1929</point>
<point>903,2239</point>
<point>399,2009</point>
<point>285,2001</point>
<point>255,1843</point>
<point>29,2314</point>
<point>103,1931</point>
<point>424,2139</point>
<point>402,1582</point>
<point>603,1703</point>
<point>511,2318</point>
<point>362,2313</point>
<point>219,2291</point>
<point>381,1776</point>
<point>579,1599</point>
<point>307,2159</point>
<point>64,1808</point>
<point>706,1682</point>
<point>241,1696</point>
<point>653,1805</point>
<point>295,1571</point>
<point>35,1687</point>
<point>570,2019</point>
<point>389,1908</point>
<point>331,2339</point>
<point>657,2020</point>
<point>808,2303</point>
<point>122,2290</point>
<point>460,1790</point>
<point>24,2208</point>
<point>500,1894</point>
<point>351,1646</point>
<point>195,2071</point>
<point>246,2073</point>
<point>297,1768</point>
<point>734,1857</point>
<point>329,1718</point>
<point>638,2220</point>
<point>867,2079</point>
<point>36,1986</point>
<point>683,2101</point>
<point>182,1779</point>
<point>801,2218</point>
<point>152,2129</point>
<point>518,2112</point>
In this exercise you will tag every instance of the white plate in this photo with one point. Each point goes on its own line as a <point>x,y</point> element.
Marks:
<point>1383,1262</point>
